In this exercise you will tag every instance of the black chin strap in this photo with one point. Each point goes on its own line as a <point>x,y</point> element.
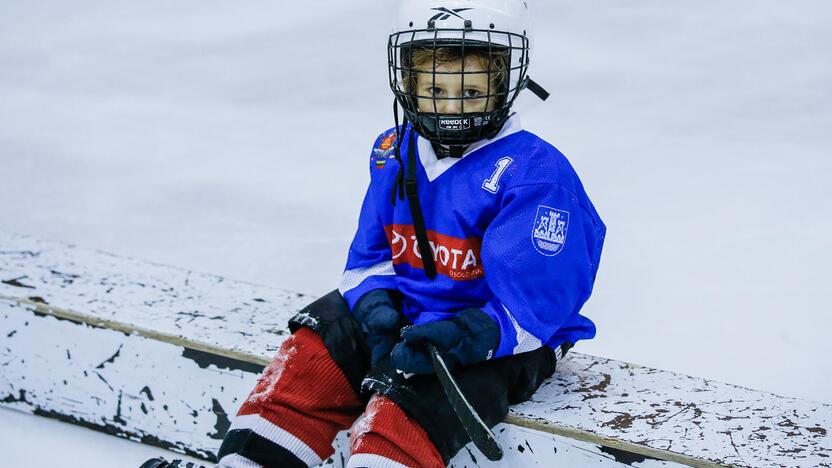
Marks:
<point>416,209</point>
<point>398,186</point>
<point>442,152</point>
<point>405,185</point>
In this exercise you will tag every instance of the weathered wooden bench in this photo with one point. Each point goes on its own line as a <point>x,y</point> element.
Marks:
<point>165,356</point>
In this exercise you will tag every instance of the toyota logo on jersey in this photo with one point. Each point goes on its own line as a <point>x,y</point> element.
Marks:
<point>458,259</point>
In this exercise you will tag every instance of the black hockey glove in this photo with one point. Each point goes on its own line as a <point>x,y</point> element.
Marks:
<point>380,321</point>
<point>468,337</point>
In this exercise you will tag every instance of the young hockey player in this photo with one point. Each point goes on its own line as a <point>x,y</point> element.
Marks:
<point>475,236</point>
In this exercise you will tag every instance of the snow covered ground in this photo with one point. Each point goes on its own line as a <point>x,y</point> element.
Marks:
<point>232,137</point>
<point>29,441</point>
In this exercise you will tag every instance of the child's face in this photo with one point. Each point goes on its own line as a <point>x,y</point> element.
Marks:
<point>448,87</point>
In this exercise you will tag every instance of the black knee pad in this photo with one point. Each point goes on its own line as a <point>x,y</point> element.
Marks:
<point>331,319</point>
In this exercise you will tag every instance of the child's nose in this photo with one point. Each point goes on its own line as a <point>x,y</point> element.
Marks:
<point>450,106</point>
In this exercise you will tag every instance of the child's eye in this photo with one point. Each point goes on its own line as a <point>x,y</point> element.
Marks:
<point>472,94</point>
<point>434,91</point>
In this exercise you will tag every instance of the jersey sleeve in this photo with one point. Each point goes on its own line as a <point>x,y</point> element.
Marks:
<point>370,261</point>
<point>540,255</point>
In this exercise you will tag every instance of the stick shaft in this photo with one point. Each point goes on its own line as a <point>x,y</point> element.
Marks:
<point>479,432</point>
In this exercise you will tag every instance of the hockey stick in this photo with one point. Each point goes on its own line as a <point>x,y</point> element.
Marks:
<point>480,434</point>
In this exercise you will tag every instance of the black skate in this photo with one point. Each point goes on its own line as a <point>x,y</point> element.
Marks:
<point>162,463</point>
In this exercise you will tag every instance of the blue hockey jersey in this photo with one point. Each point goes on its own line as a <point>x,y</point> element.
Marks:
<point>510,228</point>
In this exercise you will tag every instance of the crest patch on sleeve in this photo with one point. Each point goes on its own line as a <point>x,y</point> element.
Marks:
<point>384,150</point>
<point>385,146</point>
<point>549,232</point>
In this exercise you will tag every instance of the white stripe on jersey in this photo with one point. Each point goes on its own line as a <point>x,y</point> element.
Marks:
<point>353,278</point>
<point>525,340</point>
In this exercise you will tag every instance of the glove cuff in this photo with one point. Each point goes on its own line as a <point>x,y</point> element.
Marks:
<point>480,336</point>
<point>371,300</point>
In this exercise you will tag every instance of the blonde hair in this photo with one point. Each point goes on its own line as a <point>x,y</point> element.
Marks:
<point>421,60</point>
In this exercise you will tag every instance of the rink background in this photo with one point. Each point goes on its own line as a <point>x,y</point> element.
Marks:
<point>31,441</point>
<point>233,138</point>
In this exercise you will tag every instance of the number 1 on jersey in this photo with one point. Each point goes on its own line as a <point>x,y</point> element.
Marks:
<point>492,184</point>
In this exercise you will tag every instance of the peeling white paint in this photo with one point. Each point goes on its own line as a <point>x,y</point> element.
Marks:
<point>151,393</point>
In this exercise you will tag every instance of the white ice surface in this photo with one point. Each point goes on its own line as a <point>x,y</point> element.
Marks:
<point>29,441</point>
<point>233,138</point>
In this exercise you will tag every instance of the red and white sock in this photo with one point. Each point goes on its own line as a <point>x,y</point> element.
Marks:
<point>385,437</point>
<point>301,401</point>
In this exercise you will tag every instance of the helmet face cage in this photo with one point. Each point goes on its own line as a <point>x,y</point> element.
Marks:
<point>507,56</point>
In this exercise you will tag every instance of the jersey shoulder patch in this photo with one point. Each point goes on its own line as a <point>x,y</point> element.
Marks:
<point>383,149</point>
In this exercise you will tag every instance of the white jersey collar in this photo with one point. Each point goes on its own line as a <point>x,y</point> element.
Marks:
<point>435,167</point>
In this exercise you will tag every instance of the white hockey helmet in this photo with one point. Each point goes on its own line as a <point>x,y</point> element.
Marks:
<point>498,28</point>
